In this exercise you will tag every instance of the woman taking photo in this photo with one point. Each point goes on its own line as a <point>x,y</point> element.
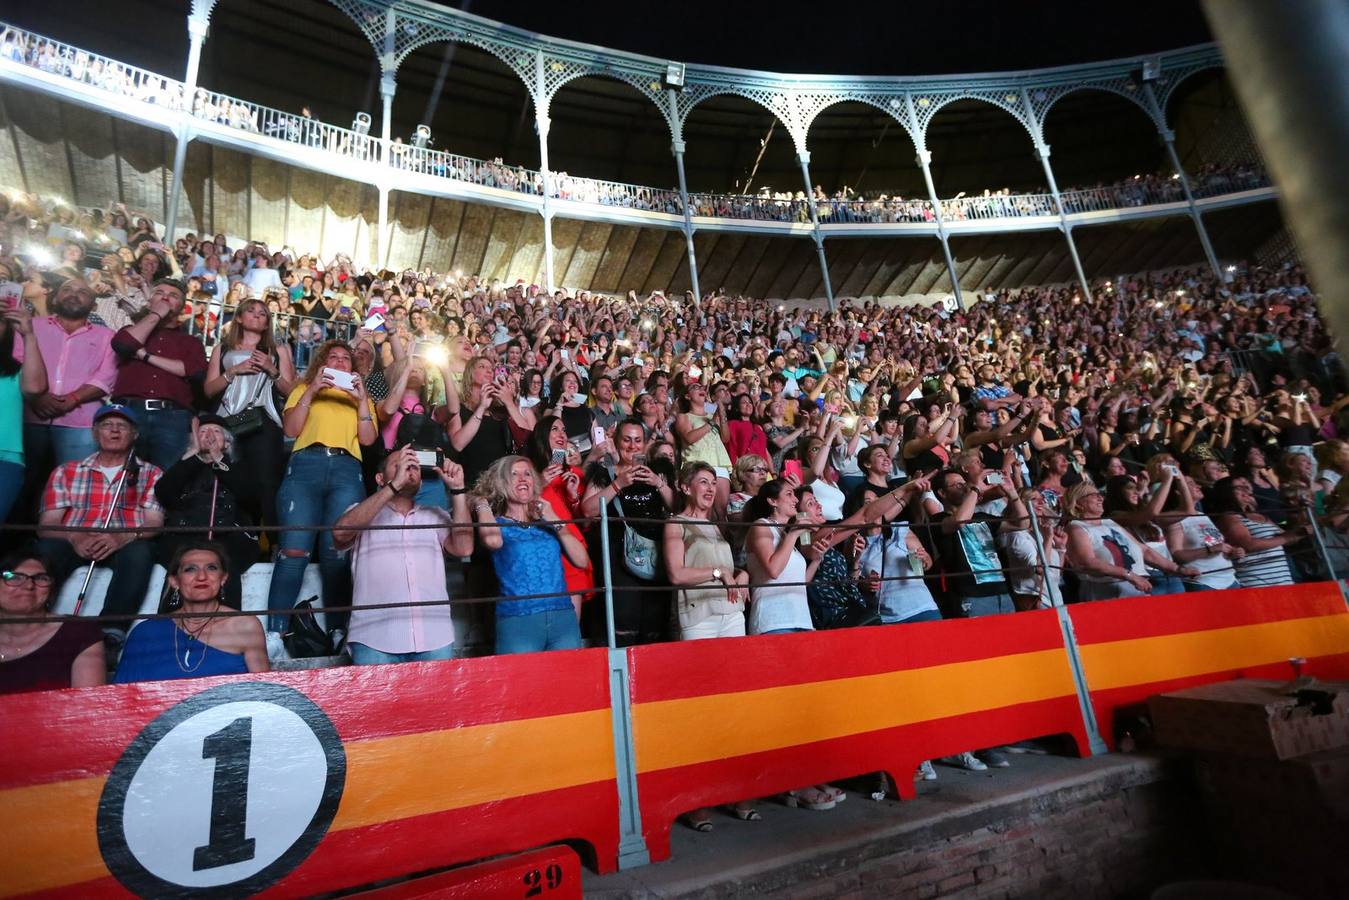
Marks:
<point>554,460</point>
<point>1124,504</point>
<point>527,543</point>
<point>42,655</point>
<point>245,372</point>
<point>1198,544</point>
<point>199,643</point>
<point>700,432</point>
<point>331,418</point>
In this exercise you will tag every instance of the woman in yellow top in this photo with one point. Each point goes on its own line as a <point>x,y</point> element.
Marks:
<point>700,434</point>
<point>330,416</point>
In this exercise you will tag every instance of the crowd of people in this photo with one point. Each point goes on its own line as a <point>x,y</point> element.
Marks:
<point>432,439</point>
<point>844,205</point>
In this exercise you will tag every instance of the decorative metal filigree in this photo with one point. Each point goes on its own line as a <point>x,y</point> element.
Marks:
<point>890,104</point>
<point>1172,79</point>
<point>1043,99</point>
<point>926,105</point>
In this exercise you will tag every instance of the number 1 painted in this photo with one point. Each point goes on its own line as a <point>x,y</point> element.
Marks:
<point>231,747</point>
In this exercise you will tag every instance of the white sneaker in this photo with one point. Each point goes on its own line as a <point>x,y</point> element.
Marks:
<point>968,760</point>
<point>339,639</point>
<point>276,648</point>
<point>926,772</point>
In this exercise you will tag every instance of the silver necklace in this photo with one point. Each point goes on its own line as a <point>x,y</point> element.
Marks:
<point>193,637</point>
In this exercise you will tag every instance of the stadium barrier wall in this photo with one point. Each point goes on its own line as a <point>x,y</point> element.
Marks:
<point>1136,647</point>
<point>305,782</point>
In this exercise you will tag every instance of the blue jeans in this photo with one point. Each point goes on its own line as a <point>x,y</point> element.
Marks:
<point>57,442</point>
<point>927,615</point>
<point>1193,586</point>
<point>316,490</point>
<point>553,629</point>
<point>361,655</point>
<point>994,605</point>
<point>432,493</point>
<point>130,574</point>
<point>784,631</point>
<point>163,434</point>
<point>1165,584</point>
<point>11,485</point>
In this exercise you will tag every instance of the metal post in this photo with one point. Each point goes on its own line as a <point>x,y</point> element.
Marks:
<point>1169,139</point>
<point>632,850</point>
<point>677,147</point>
<point>804,158</point>
<point>1042,151</point>
<point>1320,540</point>
<point>925,163</point>
<point>196,34</point>
<point>1095,742</point>
<point>387,88</point>
<point>542,123</point>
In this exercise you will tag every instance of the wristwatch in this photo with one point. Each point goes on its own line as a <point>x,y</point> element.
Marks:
<point>716,574</point>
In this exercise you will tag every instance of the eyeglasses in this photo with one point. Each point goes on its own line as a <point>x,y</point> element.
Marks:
<point>758,470</point>
<point>19,579</point>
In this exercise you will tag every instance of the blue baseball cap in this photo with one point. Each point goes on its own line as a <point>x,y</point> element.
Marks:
<point>114,409</point>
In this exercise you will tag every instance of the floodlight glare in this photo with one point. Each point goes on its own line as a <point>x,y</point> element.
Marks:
<point>674,76</point>
<point>362,123</point>
<point>422,138</point>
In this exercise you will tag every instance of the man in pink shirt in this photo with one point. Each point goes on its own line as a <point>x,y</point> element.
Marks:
<point>404,564</point>
<point>81,368</point>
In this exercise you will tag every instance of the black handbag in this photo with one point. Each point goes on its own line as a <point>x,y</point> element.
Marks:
<point>242,424</point>
<point>304,638</point>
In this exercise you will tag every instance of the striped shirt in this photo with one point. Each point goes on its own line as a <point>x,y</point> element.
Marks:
<point>1263,568</point>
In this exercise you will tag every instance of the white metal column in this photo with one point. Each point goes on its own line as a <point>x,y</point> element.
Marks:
<point>677,147</point>
<point>804,158</point>
<point>387,88</point>
<point>1169,139</point>
<point>925,163</point>
<point>541,125</point>
<point>196,34</point>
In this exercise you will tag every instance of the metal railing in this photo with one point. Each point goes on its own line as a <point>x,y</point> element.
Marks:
<point>56,58</point>
<point>742,206</point>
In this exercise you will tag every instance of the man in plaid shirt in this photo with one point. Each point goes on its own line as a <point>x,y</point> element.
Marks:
<point>79,494</point>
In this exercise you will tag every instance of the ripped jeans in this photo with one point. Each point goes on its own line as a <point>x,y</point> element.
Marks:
<point>316,490</point>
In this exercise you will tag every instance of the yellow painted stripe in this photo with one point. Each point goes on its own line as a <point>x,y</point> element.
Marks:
<point>415,774</point>
<point>701,729</point>
<point>1146,660</point>
<point>49,831</point>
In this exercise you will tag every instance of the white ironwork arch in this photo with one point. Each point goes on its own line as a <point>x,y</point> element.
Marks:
<point>891,105</point>
<point>1174,79</point>
<point>1042,100</point>
<point>926,105</point>
<point>518,61</point>
<point>648,85</point>
<point>777,105</point>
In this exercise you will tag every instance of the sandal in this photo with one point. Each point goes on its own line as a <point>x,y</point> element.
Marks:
<point>833,793</point>
<point>746,813</point>
<point>809,798</point>
<point>704,824</point>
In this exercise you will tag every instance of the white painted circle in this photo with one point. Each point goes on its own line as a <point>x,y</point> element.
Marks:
<point>167,813</point>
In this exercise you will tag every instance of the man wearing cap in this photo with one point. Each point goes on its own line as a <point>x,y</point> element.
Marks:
<point>80,495</point>
<point>160,365</point>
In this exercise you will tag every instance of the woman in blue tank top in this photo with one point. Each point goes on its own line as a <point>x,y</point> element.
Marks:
<point>198,644</point>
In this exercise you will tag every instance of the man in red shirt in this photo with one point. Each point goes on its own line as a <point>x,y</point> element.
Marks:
<point>79,494</point>
<point>160,366</point>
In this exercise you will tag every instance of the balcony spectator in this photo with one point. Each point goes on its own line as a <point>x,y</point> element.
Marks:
<point>160,370</point>
<point>200,643</point>
<point>391,566</point>
<point>87,494</point>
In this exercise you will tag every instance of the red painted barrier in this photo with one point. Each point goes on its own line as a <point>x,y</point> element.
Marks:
<point>303,782</point>
<point>718,721</point>
<point>550,873</point>
<point>1140,646</point>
